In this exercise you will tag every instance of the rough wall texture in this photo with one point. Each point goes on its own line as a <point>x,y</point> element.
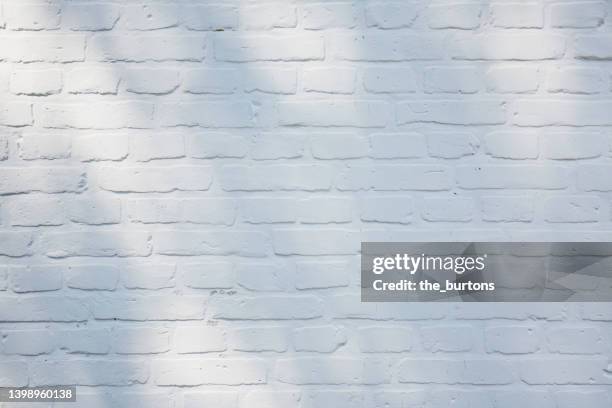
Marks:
<point>184,187</point>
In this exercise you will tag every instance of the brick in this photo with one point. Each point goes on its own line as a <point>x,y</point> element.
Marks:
<point>34,82</point>
<point>389,80</point>
<point>576,209</point>
<point>517,15</point>
<point>150,81</point>
<point>576,80</point>
<point>269,16</point>
<point>266,399</point>
<point>243,243</point>
<point>512,145</point>
<point>98,243</point>
<point>453,209</point>
<point>217,399</point>
<point>32,16</point>
<point>321,339</point>
<point>444,371</point>
<point>448,338</point>
<point>345,399</point>
<point>42,309</point>
<point>149,16</point>
<point>155,179</point>
<point>97,115</point>
<point>512,177</point>
<point>464,80</point>
<point>508,79</point>
<point>578,15</point>
<point>88,372</point>
<point>262,277</point>
<point>90,17</point>
<point>379,339</point>
<point>333,80</point>
<point>146,47</point>
<point>411,177</point>
<point>14,374</point>
<point>391,15</point>
<point>452,112</point>
<point>389,209</point>
<point>575,340</point>
<point>43,179</point>
<point>572,146</point>
<point>4,148</point>
<point>142,340</point>
<point>276,177</point>
<point>520,47</point>
<point>397,145</point>
<point>315,242</point>
<point>338,146</point>
<point>47,48</point>
<point>555,112</point>
<point>30,211</point>
<point>508,399</point>
<point>92,277</point>
<point>452,145</point>
<point>364,114</point>
<point>321,275</point>
<point>271,80</point>
<point>507,208</point>
<point>210,372</point>
<point>268,210</point>
<point>269,308</point>
<point>189,339</point>
<point>271,146</point>
<point>100,147</point>
<point>213,275</point>
<point>158,276</point>
<point>206,114</point>
<point>38,278</point>
<point>220,81</point>
<point>48,146</point>
<point>464,16</point>
<point>149,307</point>
<point>92,80</point>
<point>325,210</point>
<point>216,145</point>
<point>16,114</point>
<point>593,47</point>
<point>594,178</point>
<point>347,371</point>
<point>387,47</point>
<point>15,244</point>
<point>96,209</point>
<point>329,15</point>
<point>563,372</point>
<point>146,147</point>
<point>85,341</point>
<point>28,342</point>
<point>260,47</point>
<point>259,339</point>
<point>208,18</point>
<point>512,339</point>
<point>394,178</point>
<point>217,211</point>
<point>343,306</point>
<point>594,399</point>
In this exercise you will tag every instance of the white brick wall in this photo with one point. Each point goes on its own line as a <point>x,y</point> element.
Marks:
<point>184,185</point>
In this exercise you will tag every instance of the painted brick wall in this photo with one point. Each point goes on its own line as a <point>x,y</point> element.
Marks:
<point>184,186</point>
